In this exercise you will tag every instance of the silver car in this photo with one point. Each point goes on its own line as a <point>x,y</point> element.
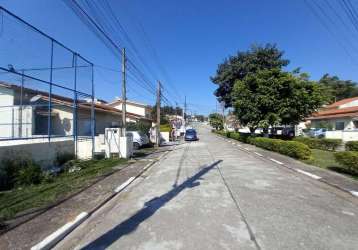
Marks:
<point>140,139</point>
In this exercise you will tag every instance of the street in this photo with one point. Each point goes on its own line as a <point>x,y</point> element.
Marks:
<point>209,194</point>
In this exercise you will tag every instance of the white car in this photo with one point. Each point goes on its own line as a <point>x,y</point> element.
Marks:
<point>139,139</point>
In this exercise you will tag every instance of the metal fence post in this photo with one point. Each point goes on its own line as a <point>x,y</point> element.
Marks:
<point>21,102</point>
<point>93,118</point>
<point>75,105</point>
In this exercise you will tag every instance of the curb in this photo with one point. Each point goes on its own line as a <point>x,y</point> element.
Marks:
<point>54,238</point>
<point>42,210</point>
<point>353,193</point>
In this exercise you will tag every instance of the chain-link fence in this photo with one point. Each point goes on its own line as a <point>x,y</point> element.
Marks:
<point>46,89</point>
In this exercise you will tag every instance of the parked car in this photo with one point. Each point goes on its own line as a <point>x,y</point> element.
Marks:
<point>140,139</point>
<point>190,135</point>
<point>318,132</point>
<point>287,132</point>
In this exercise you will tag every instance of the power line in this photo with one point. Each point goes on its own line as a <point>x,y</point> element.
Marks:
<point>106,22</point>
<point>327,27</point>
<point>333,22</point>
<point>100,18</point>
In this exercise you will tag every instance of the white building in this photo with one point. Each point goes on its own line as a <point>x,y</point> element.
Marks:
<point>341,119</point>
<point>139,109</point>
<point>24,113</point>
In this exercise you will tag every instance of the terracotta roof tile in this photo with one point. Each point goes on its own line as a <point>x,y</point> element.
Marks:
<point>331,113</point>
<point>341,102</point>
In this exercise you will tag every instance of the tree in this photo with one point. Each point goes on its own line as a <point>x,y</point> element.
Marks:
<point>164,111</point>
<point>239,66</point>
<point>200,118</point>
<point>337,89</point>
<point>216,121</point>
<point>141,126</point>
<point>271,96</point>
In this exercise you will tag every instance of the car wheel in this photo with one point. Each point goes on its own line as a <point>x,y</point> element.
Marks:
<point>136,145</point>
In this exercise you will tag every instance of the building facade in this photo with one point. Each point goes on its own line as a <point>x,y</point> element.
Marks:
<point>340,119</point>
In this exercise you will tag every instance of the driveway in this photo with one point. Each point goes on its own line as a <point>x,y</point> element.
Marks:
<point>212,195</point>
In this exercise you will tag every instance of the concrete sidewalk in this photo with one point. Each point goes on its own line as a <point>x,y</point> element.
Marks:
<point>209,195</point>
<point>33,231</point>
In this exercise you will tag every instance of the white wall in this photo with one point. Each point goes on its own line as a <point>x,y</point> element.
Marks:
<point>343,135</point>
<point>164,136</point>
<point>11,126</point>
<point>40,150</point>
<point>84,148</point>
<point>131,108</point>
<point>6,113</point>
<point>6,97</point>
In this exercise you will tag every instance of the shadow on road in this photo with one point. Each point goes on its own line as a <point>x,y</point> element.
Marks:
<point>150,207</point>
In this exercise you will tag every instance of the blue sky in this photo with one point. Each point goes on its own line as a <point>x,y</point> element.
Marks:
<point>191,38</point>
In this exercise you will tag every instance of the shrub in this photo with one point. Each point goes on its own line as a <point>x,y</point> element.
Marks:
<point>62,158</point>
<point>9,170</point>
<point>240,137</point>
<point>18,170</point>
<point>29,174</point>
<point>348,160</point>
<point>352,146</point>
<point>235,136</point>
<point>290,148</point>
<point>141,126</point>
<point>165,128</point>
<point>316,143</point>
<point>293,149</point>
<point>220,132</point>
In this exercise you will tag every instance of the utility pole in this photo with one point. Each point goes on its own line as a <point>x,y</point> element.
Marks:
<point>223,114</point>
<point>184,112</point>
<point>124,98</point>
<point>158,116</point>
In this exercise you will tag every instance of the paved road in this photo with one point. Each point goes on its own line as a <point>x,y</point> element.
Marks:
<point>211,195</point>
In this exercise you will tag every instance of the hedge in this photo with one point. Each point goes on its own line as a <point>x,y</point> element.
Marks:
<point>352,146</point>
<point>348,160</point>
<point>165,128</point>
<point>241,137</point>
<point>316,143</point>
<point>293,149</point>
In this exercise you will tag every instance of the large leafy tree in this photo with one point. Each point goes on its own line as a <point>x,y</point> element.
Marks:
<point>337,89</point>
<point>216,121</point>
<point>242,64</point>
<point>271,96</point>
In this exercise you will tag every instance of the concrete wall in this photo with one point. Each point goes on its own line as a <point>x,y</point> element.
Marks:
<point>84,148</point>
<point>39,150</point>
<point>343,135</point>
<point>132,108</point>
<point>164,136</point>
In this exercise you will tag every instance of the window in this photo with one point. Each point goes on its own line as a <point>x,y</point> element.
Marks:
<point>339,125</point>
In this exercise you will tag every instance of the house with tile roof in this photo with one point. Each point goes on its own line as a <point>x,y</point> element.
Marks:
<point>24,113</point>
<point>341,117</point>
<point>137,108</point>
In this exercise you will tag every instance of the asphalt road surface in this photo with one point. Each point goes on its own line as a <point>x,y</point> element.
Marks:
<point>211,195</point>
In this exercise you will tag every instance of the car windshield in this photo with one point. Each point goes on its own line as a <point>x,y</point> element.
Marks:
<point>191,131</point>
